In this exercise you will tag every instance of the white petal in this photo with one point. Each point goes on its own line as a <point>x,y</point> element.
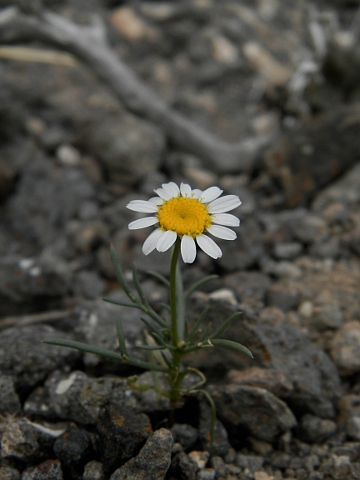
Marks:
<point>171,189</point>
<point>188,249</point>
<point>151,241</point>
<point>185,190</point>
<point>156,200</point>
<point>210,194</point>
<point>142,223</point>
<point>166,241</point>
<point>196,193</point>
<point>222,232</point>
<point>224,204</point>
<point>141,206</point>
<point>208,246</point>
<point>162,194</point>
<point>226,219</point>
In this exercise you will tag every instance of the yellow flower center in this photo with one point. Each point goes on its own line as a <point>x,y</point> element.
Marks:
<point>185,216</point>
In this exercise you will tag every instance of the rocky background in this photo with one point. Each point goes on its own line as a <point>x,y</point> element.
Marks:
<point>259,97</point>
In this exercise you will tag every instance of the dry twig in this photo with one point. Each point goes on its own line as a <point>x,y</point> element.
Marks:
<point>90,46</point>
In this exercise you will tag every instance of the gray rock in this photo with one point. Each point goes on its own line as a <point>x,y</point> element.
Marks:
<point>284,348</point>
<point>283,296</point>
<point>246,250</point>
<point>46,199</point>
<point>314,377</point>
<point>349,408</point>
<point>327,317</point>
<point>345,190</point>
<point>182,466</point>
<point>9,473</point>
<point>21,444</point>
<point>96,325</point>
<point>208,474</point>
<point>128,147</point>
<point>248,285</point>
<point>250,462</point>
<point>345,348</point>
<point>310,229</point>
<point>86,236</point>
<point>342,468</point>
<point>25,280</point>
<point>221,445</point>
<point>272,380</point>
<point>74,449</point>
<point>25,357</point>
<point>9,400</point>
<point>93,471</point>
<point>152,462</point>
<point>316,430</point>
<point>77,397</point>
<point>252,410</point>
<point>88,284</point>
<point>122,433</point>
<point>48,470</point>
<point>287,250</point>
<point>185,434</point>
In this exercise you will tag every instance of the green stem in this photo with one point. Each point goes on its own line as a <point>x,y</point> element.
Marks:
<point>173,296</point>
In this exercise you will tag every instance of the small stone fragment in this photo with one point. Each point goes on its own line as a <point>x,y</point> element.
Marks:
<point>48,470</point>
<point>9,400</point>
<point>255,409</point>
<point>74,449</point>
<point>349,407</point>
<point>152,462</point>
<point>121,435</point>
<point>273,381</point>
<point>345,348</point>
<point>93,471</point>
<point>316,430</point>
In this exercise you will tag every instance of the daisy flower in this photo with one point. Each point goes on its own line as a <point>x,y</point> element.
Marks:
<point>180,212</point>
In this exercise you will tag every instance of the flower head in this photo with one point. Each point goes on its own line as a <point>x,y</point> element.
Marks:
<point>180,212</point>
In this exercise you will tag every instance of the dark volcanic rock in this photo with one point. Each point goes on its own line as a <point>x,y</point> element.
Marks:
<point>252,410</point>
<point>77,397</point>
<point>23,444</point>
<point>121,435</point>
<point>32,281</point>
<point>74,449</point>
<point>48,470</point>
<point>46,199</point>
<point>27,359</point>
<point>9,400</point>
<point>152,462</point>
<point>313,375</point>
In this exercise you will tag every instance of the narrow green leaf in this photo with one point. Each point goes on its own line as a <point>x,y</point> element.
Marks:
<point>105,353</point>
<point>162,341</point>
<point>122,304</point>
<point>196,326</point>
<point>152,314</point>
<point>138,287</point>
<point>160,278</point>
<point>225,325</point>
<point>180,303</point>
<point>119,274</point>
<point>166,360</point>
<point>205,335</point>
<point>148,324</point>
<point>233,345</point>
<point>85,348</point>
<point>121,338</point>
<point>198,284</point>
<point>149,347</point>
<point>213,414</point>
